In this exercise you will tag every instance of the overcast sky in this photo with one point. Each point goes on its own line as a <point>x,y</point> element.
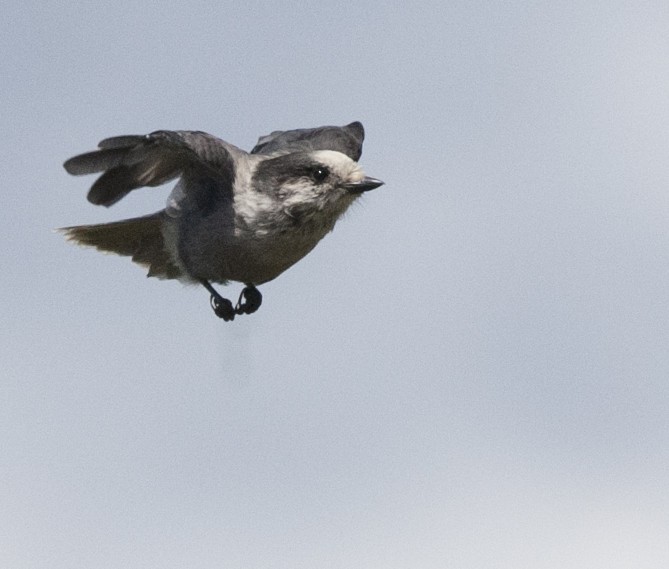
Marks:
<point>471,371</point>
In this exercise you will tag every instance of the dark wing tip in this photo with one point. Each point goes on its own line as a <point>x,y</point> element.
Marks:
<point>356,130</point>
<point>113,185</point>
<point>95,161</point>
<point>71,166</point>
<point>123,141</point>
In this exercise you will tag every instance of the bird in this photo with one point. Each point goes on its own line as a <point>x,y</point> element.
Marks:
<point>232,215</point>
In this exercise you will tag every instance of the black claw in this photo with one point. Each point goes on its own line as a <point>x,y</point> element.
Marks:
<point>222,307</point>
<point>249,301</point>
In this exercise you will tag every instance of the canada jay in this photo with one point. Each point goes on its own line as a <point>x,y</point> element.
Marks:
<point>233,215</point>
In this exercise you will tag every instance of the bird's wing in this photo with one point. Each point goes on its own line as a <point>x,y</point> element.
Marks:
<point>134,161</point>
<point>345,139</point>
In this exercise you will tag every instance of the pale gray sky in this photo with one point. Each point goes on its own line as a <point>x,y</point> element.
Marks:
<point>472,371</point>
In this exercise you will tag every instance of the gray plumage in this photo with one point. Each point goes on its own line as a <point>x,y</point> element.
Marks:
<point>347,140</point>
<point>233,215</point>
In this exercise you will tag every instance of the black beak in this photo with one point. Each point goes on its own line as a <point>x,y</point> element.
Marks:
<point>363,185</point>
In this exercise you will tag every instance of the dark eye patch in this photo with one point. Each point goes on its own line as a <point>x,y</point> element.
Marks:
<point>319,173</point>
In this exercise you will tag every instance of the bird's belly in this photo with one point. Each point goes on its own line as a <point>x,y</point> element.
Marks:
<point>259,259</point>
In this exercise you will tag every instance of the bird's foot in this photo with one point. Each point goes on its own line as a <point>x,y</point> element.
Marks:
<point>222,307</point>
<point>249,301</point>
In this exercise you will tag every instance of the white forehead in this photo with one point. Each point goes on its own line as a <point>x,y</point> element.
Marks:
<point>339,164</point>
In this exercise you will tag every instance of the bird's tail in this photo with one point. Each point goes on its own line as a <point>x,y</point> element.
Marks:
<point>140,238</point>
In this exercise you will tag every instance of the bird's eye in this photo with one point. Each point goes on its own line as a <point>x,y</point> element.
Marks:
<point>319,173</point>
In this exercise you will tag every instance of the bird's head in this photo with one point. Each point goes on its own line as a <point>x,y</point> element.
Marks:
<point>314,185</point>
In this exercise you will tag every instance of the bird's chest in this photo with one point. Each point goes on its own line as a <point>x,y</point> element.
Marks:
<point>220,251</point>
<point>263,255</point>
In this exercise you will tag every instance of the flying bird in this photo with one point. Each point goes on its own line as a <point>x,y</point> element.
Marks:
<point>233,215</point>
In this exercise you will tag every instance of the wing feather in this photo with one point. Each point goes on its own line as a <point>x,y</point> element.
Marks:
<point>129,162</point>
<point>345,139</point>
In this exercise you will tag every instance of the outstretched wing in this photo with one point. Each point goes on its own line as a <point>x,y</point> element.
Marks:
<point>133,161</point>
<point>345,139</point>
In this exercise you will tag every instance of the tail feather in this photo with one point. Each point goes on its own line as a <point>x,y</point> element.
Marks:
<point>140,238</point>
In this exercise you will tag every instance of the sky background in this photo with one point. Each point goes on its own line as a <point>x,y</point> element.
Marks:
<point>471,371</point>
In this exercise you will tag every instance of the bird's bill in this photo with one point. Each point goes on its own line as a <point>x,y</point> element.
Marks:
<point>363,185</point>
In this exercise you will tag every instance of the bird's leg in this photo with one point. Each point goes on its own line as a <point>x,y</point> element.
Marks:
<point>249,301</point>
<point>222,306</point>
